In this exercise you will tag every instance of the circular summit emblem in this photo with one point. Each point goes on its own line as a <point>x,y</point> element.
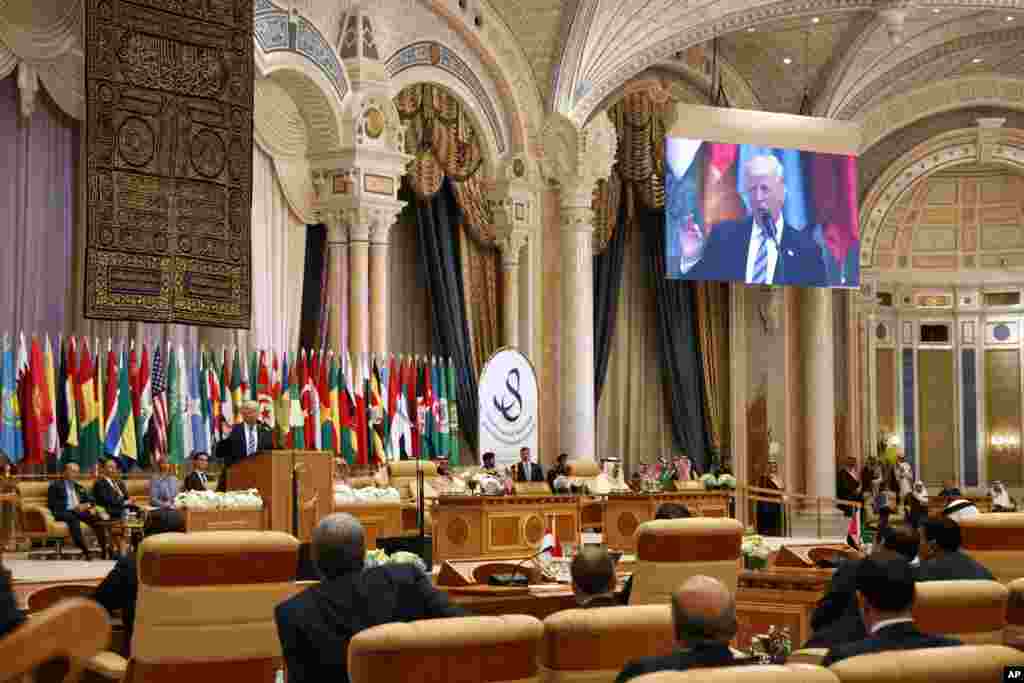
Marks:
<point>508,405</point>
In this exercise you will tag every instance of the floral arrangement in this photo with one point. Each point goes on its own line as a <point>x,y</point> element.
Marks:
<point>369,494</point>
<point>755,552</point>
<point>375,558</point>
<point>772,647</point>
<point>213,500</point>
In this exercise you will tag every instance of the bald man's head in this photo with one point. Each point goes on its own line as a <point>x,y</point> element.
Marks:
<point>593,571</point>
<point>703,609</point>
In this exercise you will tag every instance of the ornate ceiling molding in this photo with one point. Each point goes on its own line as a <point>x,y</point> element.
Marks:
<point>702,24</point>
<point>1003,147</point>
<point>900,111</point>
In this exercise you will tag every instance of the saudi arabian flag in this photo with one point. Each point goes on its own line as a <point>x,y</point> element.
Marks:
<point>175,411</point>
<point>453,416</point>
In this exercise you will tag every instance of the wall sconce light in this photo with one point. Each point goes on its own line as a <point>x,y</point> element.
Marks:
<point>1004,442</point>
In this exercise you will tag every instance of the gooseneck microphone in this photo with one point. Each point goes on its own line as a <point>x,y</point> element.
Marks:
<point>512,579</point>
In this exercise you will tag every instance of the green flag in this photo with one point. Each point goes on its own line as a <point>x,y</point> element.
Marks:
<point>296,420</point>
<point>175,411</point>
<point>236,387</point>
<point>346,419</point>
<point>453,416</point>
<point>254,373</point>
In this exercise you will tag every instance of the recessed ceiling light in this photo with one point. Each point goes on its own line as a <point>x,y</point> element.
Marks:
<point>815,20</point>
<point>1009,18</point>
<point>751,29</point>
<point>977,60</point>
<point>787,60</point>
<point>936,10</point>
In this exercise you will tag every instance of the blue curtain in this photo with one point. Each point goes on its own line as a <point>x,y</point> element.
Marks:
<point>607,283</point>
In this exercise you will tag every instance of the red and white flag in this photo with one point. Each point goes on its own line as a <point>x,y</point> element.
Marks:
<point>550,542</point>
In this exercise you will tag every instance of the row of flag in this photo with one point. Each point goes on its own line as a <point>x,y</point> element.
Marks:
<point>164,403</point>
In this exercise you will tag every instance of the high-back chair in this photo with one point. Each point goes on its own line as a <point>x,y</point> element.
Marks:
<point>205,610</point>
<point>74,630</point>
<point>960,664</point>
<point>1014,633</point>
<point>480,649</point>
<point>593,645</point>
<point>790,673</point>
<point>669,551</point>
<point>971,611</point>
<point>996,540</point>
<point>35,520</point>
<point>403,477</point>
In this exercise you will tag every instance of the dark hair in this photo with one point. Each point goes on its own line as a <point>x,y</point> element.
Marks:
<point>593,570</point>
<point>489,455</point>
<point>943,532</point>
<point>563,456</point>
<point>672,511</point>
<point>886,583</point>
<point>902,539</point>
<point>163,520</point>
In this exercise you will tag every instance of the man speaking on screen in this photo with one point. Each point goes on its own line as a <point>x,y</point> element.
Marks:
<point>760,248</point>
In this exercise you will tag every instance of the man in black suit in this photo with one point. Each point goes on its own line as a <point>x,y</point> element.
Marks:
<point>196,479</point>
<point>71,503</point>
<point>316,625</point>
<point>759,249</point>
<point>943,560</point>
<point>593,577</point>
<point>110,492</point>
<point>526,470</point>
<point>559,470</point>
<point>885,593</point>
<point>120,589</point>
<point>704,614</point>
<point>246,439</point>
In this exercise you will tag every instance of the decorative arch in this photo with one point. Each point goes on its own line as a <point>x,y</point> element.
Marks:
<point>277,31</point>
<point>312,92</point>
<point>999,146</point>
<point>898,112</point>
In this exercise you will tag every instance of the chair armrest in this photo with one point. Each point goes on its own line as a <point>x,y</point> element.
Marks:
<point>109,665</point>
<point>36,519</point>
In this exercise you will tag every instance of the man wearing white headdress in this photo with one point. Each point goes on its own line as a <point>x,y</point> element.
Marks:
<point>1001,501</point>
<point>761,248</point>
<point>904,475</point>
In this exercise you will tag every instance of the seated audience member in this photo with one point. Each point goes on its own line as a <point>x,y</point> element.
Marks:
<point>949,490</point>
<point>665,511</point>
<point>487,464</point>
<point>704,615</point>
<point>960,509</point>
<point>110,492</point>
<point>316,625</point>
<point>836,618</point>
<point>917,505</point>
<point>163,488</point>
<point>561,468</point>
<point>197,479</point>
<point>120,589</point>
<point>885,591</point>
<point>1001,501</point>
<point>593,577</point>
<point>942,559</point>
<point>10,616</point>
<point>71,503</point>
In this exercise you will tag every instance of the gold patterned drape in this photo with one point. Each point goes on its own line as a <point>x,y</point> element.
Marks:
<point>445,143</point>
<point>712,312</point>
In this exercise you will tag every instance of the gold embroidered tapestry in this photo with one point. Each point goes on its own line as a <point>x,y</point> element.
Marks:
<point>169,160</point>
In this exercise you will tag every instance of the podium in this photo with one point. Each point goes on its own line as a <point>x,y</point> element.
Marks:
<point>271,473</point>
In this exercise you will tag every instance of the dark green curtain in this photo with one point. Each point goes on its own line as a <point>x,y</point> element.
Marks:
<point>437,220</point>
<point>607,284</point>
<point>678,347</point>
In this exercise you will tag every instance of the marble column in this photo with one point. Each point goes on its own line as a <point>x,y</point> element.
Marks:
<point>577,333</point>
<point>510,297</point>
<point>818,337</point>
<point>337,282</point>
<point>378,304</point>
<point>359,282</point>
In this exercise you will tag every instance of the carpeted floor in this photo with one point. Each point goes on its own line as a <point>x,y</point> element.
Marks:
<point>53,571</point>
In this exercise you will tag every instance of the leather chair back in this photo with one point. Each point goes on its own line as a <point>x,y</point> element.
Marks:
<point>403,476</point>
<point>206,604</point>
<point>972,611</point>
<point>670,551</point>
<point>790,673</point>
<point>1014,633</point>
<point>72,631</point>
<point>961,664</point>
<point>996,540</point>
<point>481,649</point>
<point>593,645</point>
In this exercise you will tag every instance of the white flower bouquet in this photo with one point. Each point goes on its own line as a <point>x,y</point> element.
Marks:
<point>755,552</point>
<point>375,558</point>
<point>709,480</point>
<point>727,481</point>
<point>213,500</point>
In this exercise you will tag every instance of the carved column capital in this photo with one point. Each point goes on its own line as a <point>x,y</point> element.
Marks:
<point>511,243</point>
<point>578,157</point>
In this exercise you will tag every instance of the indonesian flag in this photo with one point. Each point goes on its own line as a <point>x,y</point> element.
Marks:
<point>550,541</point>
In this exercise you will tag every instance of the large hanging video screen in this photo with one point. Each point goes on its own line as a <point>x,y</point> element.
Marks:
<point>760,215</point>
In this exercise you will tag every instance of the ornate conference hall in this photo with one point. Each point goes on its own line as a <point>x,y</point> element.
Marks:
<point>304,293</point>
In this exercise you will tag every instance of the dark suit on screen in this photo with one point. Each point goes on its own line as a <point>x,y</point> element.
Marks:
<point>315,626</point>
<point>725,256</point>
<point>899,636</point>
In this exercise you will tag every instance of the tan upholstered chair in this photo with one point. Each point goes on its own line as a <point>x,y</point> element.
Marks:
<point>139,490</point>
<point>479,649</point>
<point>1014,633</point>
<point>593,645</point>
<point>791,673</point>
<point>403,476</point>
<point>996,540</point>
<point>808,655</point>
<point>972,611</point>
<point>34,516</point>
<point>962,664</point>
<point>205,610</point>
<point>74,631</point>
<point>670,551</point>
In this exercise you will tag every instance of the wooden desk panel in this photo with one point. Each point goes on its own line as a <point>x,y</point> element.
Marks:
<point>379,520</point>
<point>624,513</point>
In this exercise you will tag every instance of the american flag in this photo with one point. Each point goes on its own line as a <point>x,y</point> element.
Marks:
<point>159,406</point>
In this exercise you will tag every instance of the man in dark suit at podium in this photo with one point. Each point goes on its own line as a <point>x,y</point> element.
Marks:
<point>246,439</point>
<point>526,470</point>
